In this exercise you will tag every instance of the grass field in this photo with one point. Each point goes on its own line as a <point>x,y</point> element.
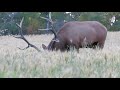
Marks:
<point>88,63</point>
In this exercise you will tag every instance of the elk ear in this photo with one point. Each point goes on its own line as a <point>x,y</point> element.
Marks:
<point>44,47</point>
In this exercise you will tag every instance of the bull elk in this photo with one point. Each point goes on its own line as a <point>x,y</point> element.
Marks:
<point>76,34</point>
<point>89,34</point>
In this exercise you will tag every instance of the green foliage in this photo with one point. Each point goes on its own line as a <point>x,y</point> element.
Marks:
<point>33,22</point>
<point>115,26</point>
<point>104,18</point>
<point>58,15</point>
<point>94,16</point>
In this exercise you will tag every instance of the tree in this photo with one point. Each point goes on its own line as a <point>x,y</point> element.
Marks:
<point>32,21</point>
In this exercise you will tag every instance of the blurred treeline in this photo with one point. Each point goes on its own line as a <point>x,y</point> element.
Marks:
<point>33,22</point>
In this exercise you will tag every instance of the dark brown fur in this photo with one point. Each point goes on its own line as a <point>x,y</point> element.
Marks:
<point>79,34</point>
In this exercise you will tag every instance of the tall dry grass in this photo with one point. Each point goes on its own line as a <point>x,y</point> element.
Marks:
<point>88,63</point>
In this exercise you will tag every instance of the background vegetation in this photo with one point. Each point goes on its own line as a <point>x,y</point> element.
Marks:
<point>33,22</point>
<point>88,63</point>
<point>30,63</point>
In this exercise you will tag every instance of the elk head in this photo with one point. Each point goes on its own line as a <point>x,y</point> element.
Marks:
<point>55,40</point>
<point>52,44</point>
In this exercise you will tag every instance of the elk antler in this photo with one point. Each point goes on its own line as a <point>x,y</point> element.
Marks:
<point>22,37</point>
<point>50,20</point>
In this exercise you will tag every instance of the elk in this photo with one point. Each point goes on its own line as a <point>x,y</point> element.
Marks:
<point>76,34</point>
<point>89,34</point>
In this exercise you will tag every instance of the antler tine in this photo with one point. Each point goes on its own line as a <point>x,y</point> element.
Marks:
<point>24,48</point>
<point>53,30</point>
<point>50,20</point>
<point>20,25</point>
<point>22,37</point>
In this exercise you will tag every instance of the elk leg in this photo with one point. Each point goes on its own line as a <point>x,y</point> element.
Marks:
<point>77,47</point>
<point>94,45</point>
<point>101,45</point>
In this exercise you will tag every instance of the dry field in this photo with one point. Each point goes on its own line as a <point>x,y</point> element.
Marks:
<point>88,63</point>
